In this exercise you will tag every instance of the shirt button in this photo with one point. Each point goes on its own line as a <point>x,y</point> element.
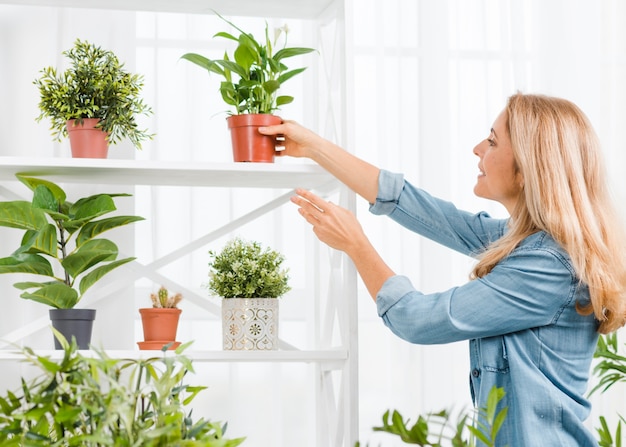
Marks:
<point>475,372</point>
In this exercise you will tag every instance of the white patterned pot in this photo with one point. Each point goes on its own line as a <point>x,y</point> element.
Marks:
<point>250,323</point>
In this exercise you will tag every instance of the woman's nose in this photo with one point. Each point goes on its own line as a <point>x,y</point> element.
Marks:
<point>477,149</point>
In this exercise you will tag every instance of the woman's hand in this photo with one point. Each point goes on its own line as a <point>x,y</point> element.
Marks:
<point>332,224</point>
<point>340,229</point>
<point>296,140</point>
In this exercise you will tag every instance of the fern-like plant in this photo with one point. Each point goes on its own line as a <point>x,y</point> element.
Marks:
<point>95,85</point>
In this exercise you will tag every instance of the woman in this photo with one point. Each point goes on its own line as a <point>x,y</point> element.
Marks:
<point>547,280</point>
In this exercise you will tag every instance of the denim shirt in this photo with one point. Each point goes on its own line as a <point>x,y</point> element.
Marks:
<point>524,332</point>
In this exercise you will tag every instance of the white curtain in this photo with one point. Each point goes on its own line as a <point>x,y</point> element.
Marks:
<point>425,80</point>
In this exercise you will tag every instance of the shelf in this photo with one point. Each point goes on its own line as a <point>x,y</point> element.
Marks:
<point>295,356</point>
<point>160,173</point>
<point>305,9</point>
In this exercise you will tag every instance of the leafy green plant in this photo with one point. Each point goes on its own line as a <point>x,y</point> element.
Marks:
<point>610,370</point>
<point>96,85</point>
<point>435,428</point>
<point>244,269</point>
<point>254,73</point>
<point>63,236</point>
<point>163,299</point>
<point>100,401</point>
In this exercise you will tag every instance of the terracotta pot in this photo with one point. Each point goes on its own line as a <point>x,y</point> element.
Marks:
<point>248,144</point>
<point>77,323</point>
<point>159,327</point>
<point>250,324</point>
<point>87,141</point>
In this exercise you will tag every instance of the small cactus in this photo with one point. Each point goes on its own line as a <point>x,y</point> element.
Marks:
<point>162,299</point>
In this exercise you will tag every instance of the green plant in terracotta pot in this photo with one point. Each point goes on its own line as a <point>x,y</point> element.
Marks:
<point>94,92</point>
<point>249,278</point>
<point>252,77</point>
<point>160,322</point>
<point>62,243</point>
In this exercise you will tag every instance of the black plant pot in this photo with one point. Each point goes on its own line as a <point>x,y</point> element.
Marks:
<point>76,323</point>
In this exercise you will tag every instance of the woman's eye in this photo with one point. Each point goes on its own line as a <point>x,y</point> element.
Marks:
<point>491,142</point>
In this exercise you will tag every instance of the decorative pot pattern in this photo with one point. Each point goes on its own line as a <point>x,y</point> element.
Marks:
<point>250,323</point>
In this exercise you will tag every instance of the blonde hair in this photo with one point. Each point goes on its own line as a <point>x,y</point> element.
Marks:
<point>565,194</point>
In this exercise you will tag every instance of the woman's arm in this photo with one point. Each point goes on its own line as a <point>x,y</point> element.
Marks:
<point>357,174</point>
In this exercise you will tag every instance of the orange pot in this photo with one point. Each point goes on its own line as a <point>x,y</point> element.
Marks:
<point>248,144</point>
<point>159,327</point>
<point>86,140</point>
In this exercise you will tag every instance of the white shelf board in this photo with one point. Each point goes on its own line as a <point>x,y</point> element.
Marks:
<point>305,9</point>
<point>294,356</point>
<point>162,173</point>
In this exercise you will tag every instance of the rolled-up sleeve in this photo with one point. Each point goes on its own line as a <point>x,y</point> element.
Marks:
<point>390,187</point>
<point>436,219</point>
<point>531,287</point>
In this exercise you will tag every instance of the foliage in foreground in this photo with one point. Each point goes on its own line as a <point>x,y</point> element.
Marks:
<point>436,428</point>
<point>610,370</point>
<point>99,401</point>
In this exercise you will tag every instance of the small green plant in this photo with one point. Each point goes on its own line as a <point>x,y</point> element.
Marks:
<point>436,428</point>
<point>96,85</point>
<point>254,73</point>
<point>244,269</point>
<point>163,299</point>
<point>61,236</point>
<point>100,401</point>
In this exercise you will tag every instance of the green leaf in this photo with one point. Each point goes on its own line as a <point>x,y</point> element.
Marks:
<point>92,207</point>
<point>289,74</point>
<point>245,54</point>
<point>92,277</point>
<point>57,295</point>
<point>225,35</point>
<point>26,263</point>
<point>21,214</point>
<point>282,100</point>
<point>204,62</point>
<point>33,183</point>
<point>89,254</point>
<point>235,67</point>
<point>94,228</point>
<point>291,52</point>
<point>42,241</point>
<point>44,199</point>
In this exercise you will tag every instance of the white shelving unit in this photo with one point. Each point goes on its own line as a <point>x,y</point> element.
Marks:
<point>337,406</point>
<point>333,354</point>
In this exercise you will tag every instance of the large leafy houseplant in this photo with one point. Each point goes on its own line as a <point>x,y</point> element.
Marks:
<point>62,242</point>
<point>97,401</point>
<point>95,85</point>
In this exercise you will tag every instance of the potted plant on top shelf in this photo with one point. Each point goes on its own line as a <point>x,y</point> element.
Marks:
<point>160,322</point>
<point>249,278</point>
<point>252,77</point>
<point>95,101</point>
<point>62,243</point>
